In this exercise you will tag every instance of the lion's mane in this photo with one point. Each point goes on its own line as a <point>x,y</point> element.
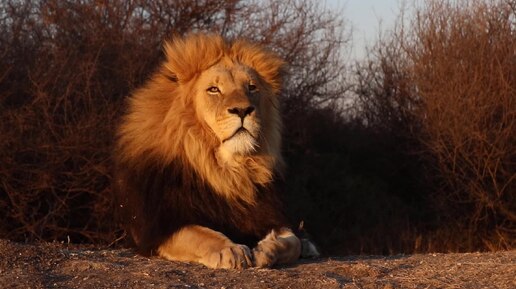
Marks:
<point>166,172</point>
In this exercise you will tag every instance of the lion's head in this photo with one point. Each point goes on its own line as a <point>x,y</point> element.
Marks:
<point>228,99</point>
<point>214,106</point>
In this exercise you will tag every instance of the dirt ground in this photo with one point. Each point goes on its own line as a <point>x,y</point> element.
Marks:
<point>55,265</point>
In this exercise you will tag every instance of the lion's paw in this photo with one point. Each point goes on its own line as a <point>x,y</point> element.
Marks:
<point>266,252</point>
<point>278,247</point>
<point>231,257</point>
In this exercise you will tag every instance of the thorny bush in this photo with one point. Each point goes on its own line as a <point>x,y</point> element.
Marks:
<point>66,67</point>
<point>445,84</point>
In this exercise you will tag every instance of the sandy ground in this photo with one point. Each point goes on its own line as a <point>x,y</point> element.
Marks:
<point>58,265</point>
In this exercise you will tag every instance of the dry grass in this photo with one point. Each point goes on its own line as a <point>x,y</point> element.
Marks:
<point>77,266</point>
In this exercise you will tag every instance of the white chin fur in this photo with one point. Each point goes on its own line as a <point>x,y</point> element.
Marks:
<point>241,144</point>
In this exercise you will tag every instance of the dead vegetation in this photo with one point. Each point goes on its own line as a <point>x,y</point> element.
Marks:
<point>66,67</point>
<point>445,82</point>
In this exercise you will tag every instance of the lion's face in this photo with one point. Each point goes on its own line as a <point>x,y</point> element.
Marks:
<point>213,104</point>
<point>227,100</point>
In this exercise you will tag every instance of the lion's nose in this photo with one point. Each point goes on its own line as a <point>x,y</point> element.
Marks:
<point>241,111</point>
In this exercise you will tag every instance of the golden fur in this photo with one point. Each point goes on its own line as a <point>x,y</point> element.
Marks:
<point>163,125</point>
<point>197,155</point>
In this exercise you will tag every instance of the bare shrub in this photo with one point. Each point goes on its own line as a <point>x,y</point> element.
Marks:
<point>384,88</point>
<point>451,86</point>
<point>465,69</point>
<point>66,66</point>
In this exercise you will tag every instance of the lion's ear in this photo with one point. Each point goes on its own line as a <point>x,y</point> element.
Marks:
<point>267,63</point>
<point>192,54</point>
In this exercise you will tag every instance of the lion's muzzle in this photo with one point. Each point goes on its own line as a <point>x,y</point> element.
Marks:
<point>242,112</point>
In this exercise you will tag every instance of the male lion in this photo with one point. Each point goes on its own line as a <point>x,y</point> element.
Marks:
<point>197,153</point>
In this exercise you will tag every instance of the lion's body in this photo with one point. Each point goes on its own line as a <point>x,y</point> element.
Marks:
<point>160,201</point>
<point>197,155</point>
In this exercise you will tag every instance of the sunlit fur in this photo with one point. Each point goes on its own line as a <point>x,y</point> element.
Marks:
<point>172,118</point>
<point>198,156</point>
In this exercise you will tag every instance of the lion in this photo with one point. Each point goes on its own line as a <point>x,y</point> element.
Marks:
<point>198,153</point>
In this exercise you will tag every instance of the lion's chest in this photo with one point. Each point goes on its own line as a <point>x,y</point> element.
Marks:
<point>188,199</point>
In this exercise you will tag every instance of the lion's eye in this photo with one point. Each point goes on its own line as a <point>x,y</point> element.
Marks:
<point>213,90</point>
<point>252,87</point>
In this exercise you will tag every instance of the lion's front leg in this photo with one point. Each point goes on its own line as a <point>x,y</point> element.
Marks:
<point>278,247</point>
<point>205,246</point>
